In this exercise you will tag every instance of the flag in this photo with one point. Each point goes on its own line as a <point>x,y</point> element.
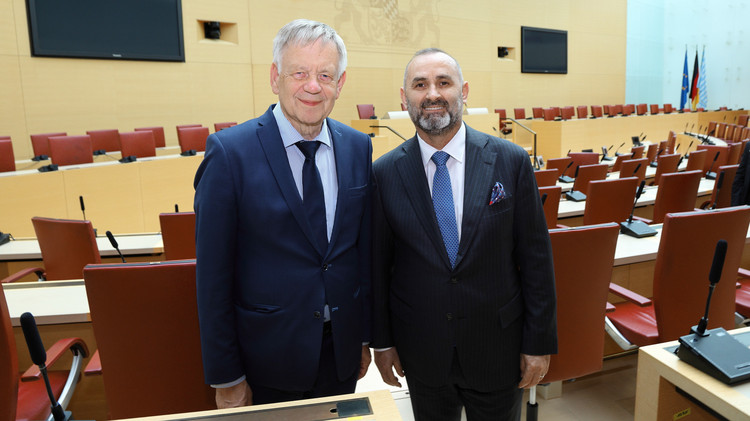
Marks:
<point>703,101</point>
<point>685,84</point>
<point>694,93</point>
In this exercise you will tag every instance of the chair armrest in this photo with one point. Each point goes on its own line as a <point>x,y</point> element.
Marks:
<point>22,273</point>
<point>75,345</point>
<point>642,219</point>
<point>743,273</point>
<point>610,307</point>
<point>629,295</point>
<point>94,366</point>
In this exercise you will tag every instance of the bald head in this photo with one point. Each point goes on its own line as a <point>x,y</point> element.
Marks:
<point>427,51</point>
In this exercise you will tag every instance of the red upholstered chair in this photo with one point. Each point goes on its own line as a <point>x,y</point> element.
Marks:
<point>729,132</point>
<point>546,178</point>
<point>582,111</point>
<point>566,113</point>
<point>738,133</point>
<point>584,158</point>
<point>109,140</point>
<point>710,131</point>
<point>651,152</point>
<point>720,129</point>
<point>618,162</point>
<point>721,196</point>
<point>549,114</point>
<point>714,161</point>
<point>135,381</point>
<point>192,138</point>
<point>178,235</point>
<point>641,109</point>
<point>596,111</point>
<point>158,132</point>
<point>637,151</point>
<point>677,192</point>
<point>140,144</point>
<point>71,150</point>
<point>634,168</point>
<point>67,246</point>
<point>735,153</point>
<point>559,164</point>
<point>7,158</point>
<point>502,116</point>
<point>609,200</point>
<point>220,126</point>
<point>667,108</point>
<point>723,108</point>
<point>610,110</point>
<point>696,160</point>
<point>551,204</point>
<point>616,109</point>
<point>587,174</point>
<point>40,142</point>
<point>537,112</point>
<point>654,109</point>
<point>671,140</point>
<point>628,109</point>
<point>365,111</point>
<point>25,397</point>
<point>680,286</point>
<point>742,119</point>
<point>519,113</point>
<point>665,165</point>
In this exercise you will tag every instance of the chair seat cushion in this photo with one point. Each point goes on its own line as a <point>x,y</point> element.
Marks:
<point>637,324</point>
<point>33,403</point>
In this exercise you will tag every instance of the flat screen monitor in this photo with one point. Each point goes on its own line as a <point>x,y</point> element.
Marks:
<point>544,50</point>
<point>108,29</point>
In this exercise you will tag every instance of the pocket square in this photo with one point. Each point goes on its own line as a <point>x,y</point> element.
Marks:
<point>498,193</point>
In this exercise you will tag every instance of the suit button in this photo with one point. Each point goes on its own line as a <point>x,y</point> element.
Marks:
<point>325,267</point>
<point>316,314</point>
<point>454,280</point>
<point>449,316</point>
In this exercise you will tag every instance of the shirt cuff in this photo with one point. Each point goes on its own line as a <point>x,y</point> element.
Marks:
<point>230,384</point>
<point>381,349</point>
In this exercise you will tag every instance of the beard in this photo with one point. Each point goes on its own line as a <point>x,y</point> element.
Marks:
<point>435,124</point>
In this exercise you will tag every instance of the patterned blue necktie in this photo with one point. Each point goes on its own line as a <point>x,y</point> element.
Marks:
<point>442,200</point>
<point>312,193</point>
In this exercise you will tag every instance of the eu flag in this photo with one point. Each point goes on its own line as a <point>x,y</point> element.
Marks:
<point>685,84</point>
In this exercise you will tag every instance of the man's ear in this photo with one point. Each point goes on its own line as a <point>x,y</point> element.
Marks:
<point>274,78</point>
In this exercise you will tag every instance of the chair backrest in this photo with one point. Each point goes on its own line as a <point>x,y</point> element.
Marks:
<point>140,144</point>
<point>549,114</point>
<point>684,259</point>
<point>501,115</point>
<point>178,235</point>
<point>696,160</point>
<point>722,194</point>
<point>581,298</point>
<point>610,110</point>
<point>677,193</point>
<point>609,200</point>
<point>9,374</point>
<point>583,158</point>
<point>158,132</point>
<point>560,164</point>
<point>710,131</point>
<point>720,128</point>
<point>582,111</point>
<point>738,132</point>
<point>667,108</point>
<point>671,140</point>
<point>71,150</point>
<point>109,140</point>
<point>618,161</point>
<point>192,138</point>
<point>596,111</point>
<point>566,113</point>
<point>365,111</point>
<point>735,152</point>
<point>641,109</point>
<point>67,246</point>
<point>537,112</point>
<point>636,152</point>
<point>546,178</point>
<point>651,152</point>
<point>729,132</point>
<point>8,158</point>
<point>628,109</point>
<point>519,113</point>
<point>588,173</point>
<point>145,320</point>
<point>551,204</point>
<point>665,165</point>
<point>654,108</point>
<point>221,126</point>
<point>40,142</point>
<point>634,168</point>
<point>742,119</point>
<point>714,161</point>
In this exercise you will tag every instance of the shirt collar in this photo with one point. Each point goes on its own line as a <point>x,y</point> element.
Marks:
<point>290,135</point>
<point>456,147</point>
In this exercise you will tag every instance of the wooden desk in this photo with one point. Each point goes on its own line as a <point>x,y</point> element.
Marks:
<point>381,403</point>
<point>660,371</point>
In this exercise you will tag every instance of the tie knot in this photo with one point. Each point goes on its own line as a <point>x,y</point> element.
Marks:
<point>308,148</point>
<point>440,158</point>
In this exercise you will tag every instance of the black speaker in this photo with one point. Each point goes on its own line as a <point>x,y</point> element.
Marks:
<point>212,30</point>
<point>502,52</point>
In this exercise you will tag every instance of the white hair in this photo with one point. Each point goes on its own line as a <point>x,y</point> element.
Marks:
<point>303,32</point>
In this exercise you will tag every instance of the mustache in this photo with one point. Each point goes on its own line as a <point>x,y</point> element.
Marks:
<point>442,103</point>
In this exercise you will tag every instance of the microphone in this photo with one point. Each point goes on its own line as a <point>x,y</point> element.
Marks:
<point>575,195</point>
<point>687,151</point>
<point>129,158</point>
<point>637,229</point>
<point>564,178</point>
<point>618,148</point>
<point>710,175</point>
<point>47,168</point>
<point>713,278</point>
<point>686,125</point>
<point>637,167</point>
<point>719,183</point>
<point>176,208</point>
<point>605,150</point>
<point>83,207</point>
<point>655,162</point>
<point>38,158</point>
<point>114,244</point>
<point>39,357</point>
<point>544,198</point>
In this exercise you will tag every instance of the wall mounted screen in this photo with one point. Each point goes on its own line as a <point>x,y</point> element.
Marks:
<point>544,50</point>
<point>111,29</point>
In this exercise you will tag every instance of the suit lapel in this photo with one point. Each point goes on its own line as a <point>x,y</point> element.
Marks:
<point>343,156</point>
<point>273,147</point>
<point>477,182</point>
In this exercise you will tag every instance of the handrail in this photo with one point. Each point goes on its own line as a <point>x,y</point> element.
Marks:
<point>536,161</point>
<point>389,128</point>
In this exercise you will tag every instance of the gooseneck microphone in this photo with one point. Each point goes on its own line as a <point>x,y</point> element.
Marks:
<point>710,175</point>
<point>713,278</point>
<point>83,207</point>
<point>39,357</point>
<point>719,184</point>
<point>114,244</point>
<point>637,229</point>
<point>618,148</point>
<point>176,208</point>
<point>544,198</point>
<point>637,167</point>
<point>564,178</point>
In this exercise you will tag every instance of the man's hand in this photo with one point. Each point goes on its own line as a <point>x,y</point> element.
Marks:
<point>533,370</point>
<point>387,361</point>
<point>234,396</point>
<point>364,363</point>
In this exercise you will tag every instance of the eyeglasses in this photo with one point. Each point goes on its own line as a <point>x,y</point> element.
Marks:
<point>323,78</point>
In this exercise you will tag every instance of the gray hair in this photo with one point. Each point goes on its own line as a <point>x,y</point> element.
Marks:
<point>431,50</point>
<point>303,32</point>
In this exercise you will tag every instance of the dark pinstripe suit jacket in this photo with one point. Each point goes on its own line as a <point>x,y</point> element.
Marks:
<point>498,302</point>
<point>741,184</point>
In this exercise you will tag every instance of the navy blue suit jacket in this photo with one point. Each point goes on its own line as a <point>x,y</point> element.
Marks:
<point>498,301</point>
<point>262,284</point>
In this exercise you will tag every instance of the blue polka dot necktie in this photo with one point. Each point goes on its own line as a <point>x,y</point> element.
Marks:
<point>442,200</point>
<point>312,193</point>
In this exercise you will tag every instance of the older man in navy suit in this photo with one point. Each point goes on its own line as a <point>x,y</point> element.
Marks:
<point>283,237</point>
<point>463,283</point>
